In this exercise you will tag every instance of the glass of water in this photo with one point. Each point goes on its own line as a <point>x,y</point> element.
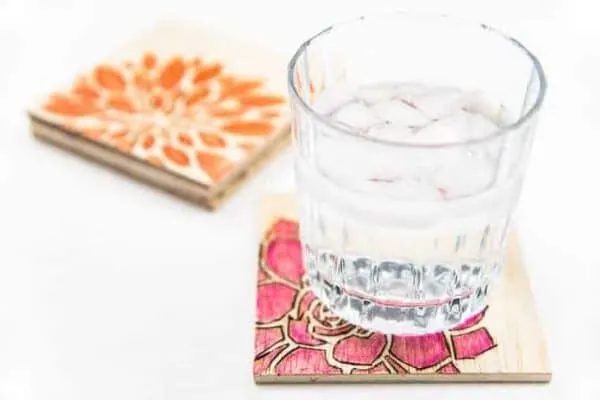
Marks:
<point>411,138</point>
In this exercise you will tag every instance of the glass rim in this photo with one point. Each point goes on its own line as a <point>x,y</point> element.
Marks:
<point>528,115</point>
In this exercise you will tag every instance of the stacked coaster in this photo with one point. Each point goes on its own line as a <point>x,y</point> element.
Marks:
<point>187,110</point>
<point>297,339</point>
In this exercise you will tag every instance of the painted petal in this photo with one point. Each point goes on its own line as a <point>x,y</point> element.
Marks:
<point>261,100</point>
<point>285,228</point>
<point>249,128</point>
<point>362,351</point>
<point>148,141</point>
<point>196,96</point>
<point>207,73</point>
<point>149,60</point>
<point>216,166</point>
<point>379,369</point>
<point>421,351</point>
<point>176,156</point>
<point>448,369</point>
<point>472,344</point>
<point>262,364</point>
<point>298,332</point>
<point>265,338</point>
<point>212,140</point>
<point>68,106</point>
<point>284,257</point>
<point>274,301</point>
<point>471,321</point>
<point>109,78</point>
<point>120,103</point>
<point>185,139</point>
<point>305,362</point>
<point>172,73</point>
<point>231,88</point>
<point>84,89</point>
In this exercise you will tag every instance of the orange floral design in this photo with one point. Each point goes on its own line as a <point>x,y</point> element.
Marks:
<point>186,115</point>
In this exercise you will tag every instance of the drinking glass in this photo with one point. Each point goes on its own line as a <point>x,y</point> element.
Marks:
<point>411,137</point>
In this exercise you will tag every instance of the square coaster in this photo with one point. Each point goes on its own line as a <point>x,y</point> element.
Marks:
<point>187,110</point>
<point>298,340</point>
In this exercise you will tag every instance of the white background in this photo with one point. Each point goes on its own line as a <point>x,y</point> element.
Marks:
<point>109,290</point>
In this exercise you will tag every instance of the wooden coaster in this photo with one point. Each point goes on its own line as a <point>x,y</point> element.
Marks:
<point>189,111</point>
<point>298,340</point>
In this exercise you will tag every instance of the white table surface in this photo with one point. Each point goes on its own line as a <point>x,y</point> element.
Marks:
<point>109,290</point>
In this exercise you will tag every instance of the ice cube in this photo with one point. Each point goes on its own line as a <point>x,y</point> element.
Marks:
<point>399,111</point>
<point>329,100</point>
<point>468,175</point>
<point>390,132</point>
<point>451,129</point>
<point>374,94</point>
<point>481,103</point>
<point>356,115</point>
<point>480,126</point>
<point>440,103</point>
<point>344,158</point>
<point>411,90</point>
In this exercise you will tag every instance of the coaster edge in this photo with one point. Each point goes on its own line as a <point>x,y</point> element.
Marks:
<point>462,378</point>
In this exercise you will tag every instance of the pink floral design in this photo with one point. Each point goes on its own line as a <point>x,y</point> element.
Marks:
<point>297,335</point>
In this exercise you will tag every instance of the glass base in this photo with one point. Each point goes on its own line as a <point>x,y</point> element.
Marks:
<point>398,319</point>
